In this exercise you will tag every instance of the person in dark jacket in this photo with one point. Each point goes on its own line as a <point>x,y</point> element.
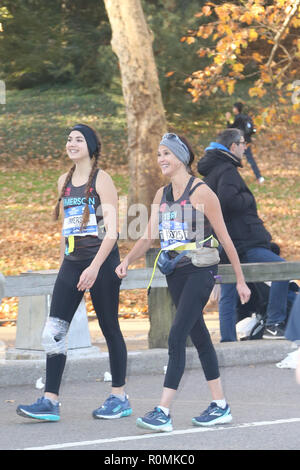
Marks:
<point>241,122</point>
<point>219,166</point>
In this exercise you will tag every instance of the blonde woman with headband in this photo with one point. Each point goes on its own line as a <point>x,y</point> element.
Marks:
<point>185,213</point>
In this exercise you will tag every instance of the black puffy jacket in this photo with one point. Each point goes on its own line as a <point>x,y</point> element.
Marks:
<point>246,229</point>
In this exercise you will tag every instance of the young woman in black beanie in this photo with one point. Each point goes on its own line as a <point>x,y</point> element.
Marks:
<point>89,256</point>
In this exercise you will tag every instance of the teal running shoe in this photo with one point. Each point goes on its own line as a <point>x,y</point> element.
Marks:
<point>156,420</point>
<point>112,408</point>
<point>213,415</point>
<point>43,409</point>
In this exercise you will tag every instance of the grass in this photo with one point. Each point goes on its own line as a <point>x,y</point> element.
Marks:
<point>38,184</point>
<point>35,122</point>
<point>34,126</point>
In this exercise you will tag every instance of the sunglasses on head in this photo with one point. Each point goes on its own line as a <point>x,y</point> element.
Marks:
<point>172,136</point>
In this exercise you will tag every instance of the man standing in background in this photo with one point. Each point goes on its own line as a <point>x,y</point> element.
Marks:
<point>245,124</point>
<point>252,241</point>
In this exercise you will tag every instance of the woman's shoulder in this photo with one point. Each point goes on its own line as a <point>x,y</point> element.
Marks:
<point>63,176</point>
<point>197,181</point>
<point>199,186</point>
<point>158,195</point>
<point>102,175</point>
<point>61,180</point>
<point>104,182</point>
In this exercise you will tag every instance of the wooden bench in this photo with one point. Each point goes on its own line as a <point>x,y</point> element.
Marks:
<point>35,289</point>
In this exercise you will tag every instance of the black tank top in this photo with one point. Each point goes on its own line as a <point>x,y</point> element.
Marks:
<point>180,222</point>
<point>82,244</point>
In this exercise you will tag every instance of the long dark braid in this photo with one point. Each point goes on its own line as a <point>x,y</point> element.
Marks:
<point>62,193</point>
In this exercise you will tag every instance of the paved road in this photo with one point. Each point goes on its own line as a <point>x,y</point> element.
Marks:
<point>265,404</point>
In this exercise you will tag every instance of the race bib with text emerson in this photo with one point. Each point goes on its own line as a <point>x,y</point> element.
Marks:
<point>73,219</point>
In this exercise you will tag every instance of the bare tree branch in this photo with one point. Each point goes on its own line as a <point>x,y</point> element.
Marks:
<point>281,32</point>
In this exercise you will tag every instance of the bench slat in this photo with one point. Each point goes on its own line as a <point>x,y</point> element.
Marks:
<point>42,282</point>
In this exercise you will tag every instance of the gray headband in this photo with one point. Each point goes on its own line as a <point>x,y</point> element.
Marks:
<point>175,144</point>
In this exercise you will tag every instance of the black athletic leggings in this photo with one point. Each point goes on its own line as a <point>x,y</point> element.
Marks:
<point>190,288</point>
<point>105,297</point>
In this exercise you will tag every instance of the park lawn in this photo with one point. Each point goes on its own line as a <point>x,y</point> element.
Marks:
<point>34,127</point>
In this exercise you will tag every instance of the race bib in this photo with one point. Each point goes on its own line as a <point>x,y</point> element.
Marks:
<point>73,219</point>
<point>173,234</point>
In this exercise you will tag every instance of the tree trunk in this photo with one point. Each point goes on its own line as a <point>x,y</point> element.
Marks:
<point>132,43</point>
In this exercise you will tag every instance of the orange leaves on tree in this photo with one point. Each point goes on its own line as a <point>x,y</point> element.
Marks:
<point>257,91</point>
<point>238,67</point>
<point>253,38</point>
<point>206,10</point>
<point>253,35</point>
<point>247,17</point>
<point>190,39</point>
<point>169,74</point>
<point>257,57</point>
<point>230,86</point>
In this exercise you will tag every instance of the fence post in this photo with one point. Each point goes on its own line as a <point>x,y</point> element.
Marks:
<point>161,310</point>
<point>32,315</point>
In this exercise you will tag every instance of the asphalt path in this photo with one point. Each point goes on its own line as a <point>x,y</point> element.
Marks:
<point>264,399</point>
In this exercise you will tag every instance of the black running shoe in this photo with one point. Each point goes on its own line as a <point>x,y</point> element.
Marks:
<point>274,331</point>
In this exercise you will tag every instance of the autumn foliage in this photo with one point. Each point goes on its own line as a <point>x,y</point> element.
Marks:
<point>256,40</point>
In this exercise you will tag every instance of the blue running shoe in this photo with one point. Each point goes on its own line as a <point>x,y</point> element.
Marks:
<point>213,415</point>
<point>113,407</point>
<point>156,420</point>
<point>42,409</point>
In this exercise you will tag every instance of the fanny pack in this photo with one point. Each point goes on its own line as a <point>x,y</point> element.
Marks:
<point>167,265</point>
<point>204,256</point>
